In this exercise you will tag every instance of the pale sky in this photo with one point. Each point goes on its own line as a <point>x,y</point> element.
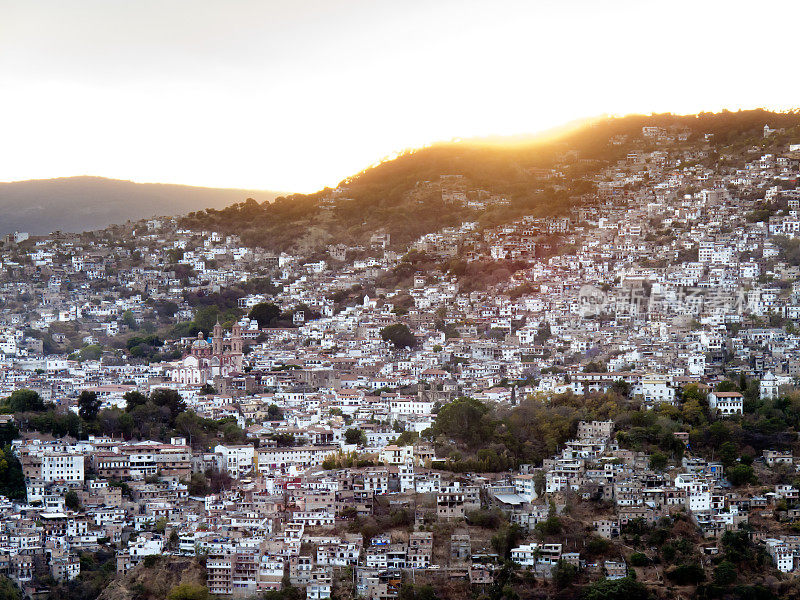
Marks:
<point>298,94</point>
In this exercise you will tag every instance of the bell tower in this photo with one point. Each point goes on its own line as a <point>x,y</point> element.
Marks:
<point>237,345</point>
<point>216,340</point>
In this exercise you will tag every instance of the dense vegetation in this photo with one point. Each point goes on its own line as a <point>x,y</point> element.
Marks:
<point>674,542</point>
<point>399,335</point>
<point>475,436</point>
<point>9,591</point>
<point>159,415</point>
<point>97,571</point>
<point>12,481</point>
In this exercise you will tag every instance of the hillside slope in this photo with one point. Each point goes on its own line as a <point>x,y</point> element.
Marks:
<point>408,196</point>
<point>85,203</point>
<point>155,582</point>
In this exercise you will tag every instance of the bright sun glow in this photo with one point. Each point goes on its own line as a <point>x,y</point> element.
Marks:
<point>298,95</point>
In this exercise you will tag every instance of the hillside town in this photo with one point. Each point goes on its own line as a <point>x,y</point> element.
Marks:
<point>303,421</point>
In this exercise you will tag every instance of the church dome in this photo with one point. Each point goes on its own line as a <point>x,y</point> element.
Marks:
<point>200,342</point>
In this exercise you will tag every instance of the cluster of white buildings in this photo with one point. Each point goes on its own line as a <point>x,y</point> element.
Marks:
<point>672,271</point>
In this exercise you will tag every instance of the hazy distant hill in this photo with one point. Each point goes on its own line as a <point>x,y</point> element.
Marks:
<point>83,203</point>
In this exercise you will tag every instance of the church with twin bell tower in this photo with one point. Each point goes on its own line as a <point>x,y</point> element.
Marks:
<point>204,361</point>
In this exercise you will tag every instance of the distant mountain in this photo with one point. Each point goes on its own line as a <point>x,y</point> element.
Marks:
<point>78,204</point>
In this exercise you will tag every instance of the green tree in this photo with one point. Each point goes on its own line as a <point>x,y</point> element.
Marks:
<point>265,314</point>
<point>198,485</point>
<point>174,540</point>
<point>488,519</point>
<point>355,436</point>
<point>25,401</point>
<point>728,453</point>
<point>8,433</point>
<point>693,392</point>
<point>595,367</point>
<point>169,399</point>
<point>166,309</point>
<point>693,412</point>
<point>9,591</point>
<point>161,525</point>
<point>638,559</point>
<point>71,500</point>
<point>564,574</point>
<point>287,592</point>
<point>464,420</point>
<point>658,461</point>
<point>742,382</point>
<point>725,573</point>
<point>12,481</point>
<point>231,432</point>
<point>284,439</point>
<point>741,475</point>
<point>88,405</point>
<point>686,574</point>
<point>134,399</point>
<point>506,539</point>
<point>174,255</point>
<point>407,438</point>
<point>90,352</point>
<point>399,335</point>
<point>129,320</point>
<point>737,546</point>
<point>145,347</point>
<point>550,526</point>
<point>409,591</point>
<point>615,589</point>
<point>206,317</point>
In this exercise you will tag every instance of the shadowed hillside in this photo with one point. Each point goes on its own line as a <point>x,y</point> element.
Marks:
<point>84,203</point>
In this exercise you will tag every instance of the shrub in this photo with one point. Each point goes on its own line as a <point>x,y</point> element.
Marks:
<point>725,573</point>
<point>151,560</point>
<point>741,475</point>
<point>564,574</point>
<point>686,574</point>
<point>616,589</point>
<point>188,591</point>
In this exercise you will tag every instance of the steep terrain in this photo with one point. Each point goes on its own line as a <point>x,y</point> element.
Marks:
<point>85,203</point>
<point>427,189</point>
<point>155,582</point>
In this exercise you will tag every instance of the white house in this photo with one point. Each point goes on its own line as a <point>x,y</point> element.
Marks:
<point>235,460</point>
<point>768,387</point>
<point>656,389</point>
<point>397,455</point>
<point>698,501</point>
<point>60,466</point>
<point>726,403</point>
<point>781,553</point>
<point>525,486</point>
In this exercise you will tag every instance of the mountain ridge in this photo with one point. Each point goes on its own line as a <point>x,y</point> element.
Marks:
<point>88,202</point>
<point>412,194</point>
